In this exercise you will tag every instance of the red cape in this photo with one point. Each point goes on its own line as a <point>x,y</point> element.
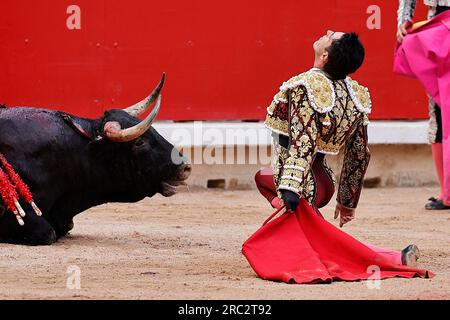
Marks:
<point>302,247</point>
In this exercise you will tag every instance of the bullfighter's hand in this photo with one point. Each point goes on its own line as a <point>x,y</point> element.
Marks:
<point>346,214</point>
<point>401,31</point>
<point>290,199</point>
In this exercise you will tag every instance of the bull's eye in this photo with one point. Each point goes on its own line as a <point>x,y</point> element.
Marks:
<point>139,143</point>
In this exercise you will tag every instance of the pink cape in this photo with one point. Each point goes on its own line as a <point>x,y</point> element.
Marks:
<point>424,55</point>
<point>302,247</point>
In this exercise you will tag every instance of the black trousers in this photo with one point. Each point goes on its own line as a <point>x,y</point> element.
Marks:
<point>437,109</point>
<point>437,112</point>
<point>440,9</point>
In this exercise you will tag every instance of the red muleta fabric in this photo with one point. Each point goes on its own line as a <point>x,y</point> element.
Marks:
<point>302,247</point>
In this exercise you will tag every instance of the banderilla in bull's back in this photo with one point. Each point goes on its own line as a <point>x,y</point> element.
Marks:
<point>11,186</point>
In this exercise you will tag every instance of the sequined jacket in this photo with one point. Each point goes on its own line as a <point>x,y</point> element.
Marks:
<point>406,9</point>
<point>325,116</point>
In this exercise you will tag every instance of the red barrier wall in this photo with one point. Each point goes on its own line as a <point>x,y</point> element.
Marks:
<point>224,60</point>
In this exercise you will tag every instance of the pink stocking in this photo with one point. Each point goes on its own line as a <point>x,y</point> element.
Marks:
<point>436,149</point>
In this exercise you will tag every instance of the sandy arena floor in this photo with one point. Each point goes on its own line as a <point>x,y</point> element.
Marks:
<point>188,247</point>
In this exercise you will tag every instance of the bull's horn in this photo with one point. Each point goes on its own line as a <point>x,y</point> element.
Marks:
<point>142,106</point>
<point>114,132</point>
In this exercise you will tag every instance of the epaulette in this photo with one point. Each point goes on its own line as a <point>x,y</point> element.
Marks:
<point>321,93</point>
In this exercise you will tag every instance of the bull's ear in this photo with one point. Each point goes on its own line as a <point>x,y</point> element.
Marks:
<point>99,132</point>
<point>111,128</point>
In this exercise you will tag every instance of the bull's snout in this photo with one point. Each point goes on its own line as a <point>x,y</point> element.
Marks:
<point>169,187</point>
<point>185,171</point>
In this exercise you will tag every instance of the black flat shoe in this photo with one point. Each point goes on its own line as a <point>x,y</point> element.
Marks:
<point>436,204</point>
<point>410,255</point>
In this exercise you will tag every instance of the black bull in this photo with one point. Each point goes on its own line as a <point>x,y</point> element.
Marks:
<point>68,173</point>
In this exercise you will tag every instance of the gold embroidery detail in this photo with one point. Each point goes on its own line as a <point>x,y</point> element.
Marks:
<point>360,95</point>
<point>319,89</point>
<point>276,125</point>
<point>326,121</point>
<point>327,148</point>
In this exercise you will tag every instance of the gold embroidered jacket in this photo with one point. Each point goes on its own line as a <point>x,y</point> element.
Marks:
<point>325,116</point>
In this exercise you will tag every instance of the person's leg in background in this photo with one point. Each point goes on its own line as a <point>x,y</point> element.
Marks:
<point>435,138</point>
<point>436,146</point>
<point>446,170</point>
<point>444,94</point>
